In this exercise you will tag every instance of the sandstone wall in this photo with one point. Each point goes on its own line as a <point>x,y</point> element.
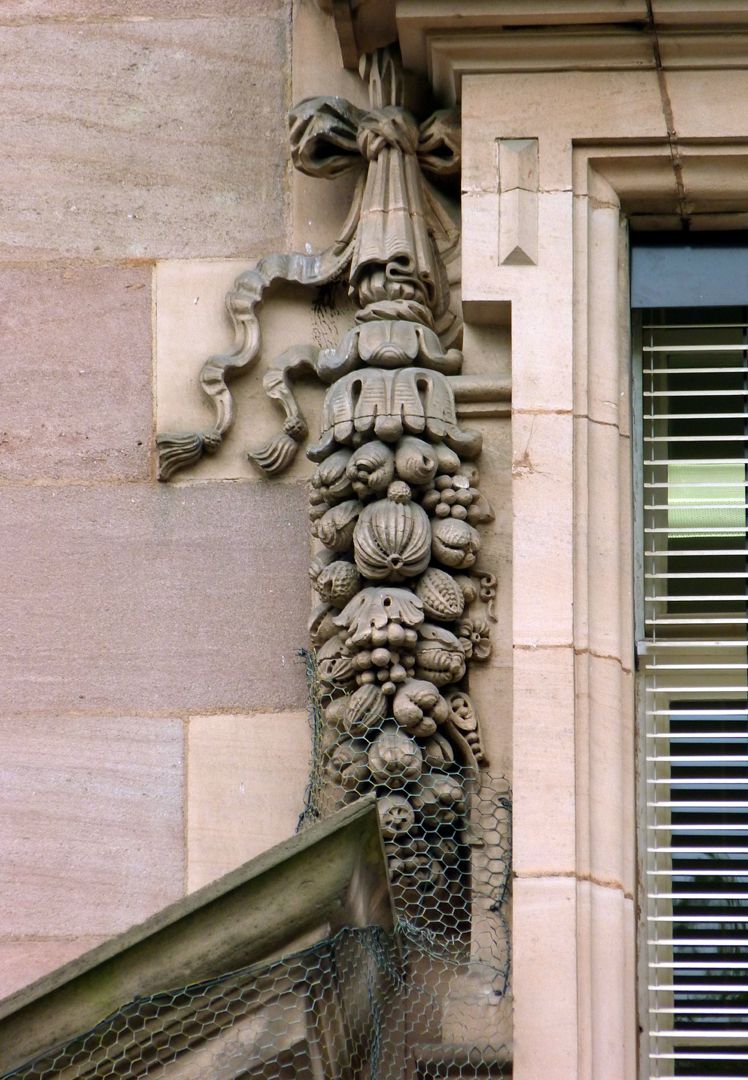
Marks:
<point>151,703</point>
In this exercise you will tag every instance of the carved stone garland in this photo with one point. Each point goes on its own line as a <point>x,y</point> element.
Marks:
<point>394,500</point>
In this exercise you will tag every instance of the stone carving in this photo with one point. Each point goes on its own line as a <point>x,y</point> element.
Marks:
<point>395,499</point>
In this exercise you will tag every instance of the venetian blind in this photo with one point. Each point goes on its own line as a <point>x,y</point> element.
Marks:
<point>694,668</point>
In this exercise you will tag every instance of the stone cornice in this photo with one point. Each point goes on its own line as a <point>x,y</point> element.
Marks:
<point>447,39</point>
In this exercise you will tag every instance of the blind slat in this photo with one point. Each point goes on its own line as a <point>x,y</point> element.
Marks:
<point>694,668</point>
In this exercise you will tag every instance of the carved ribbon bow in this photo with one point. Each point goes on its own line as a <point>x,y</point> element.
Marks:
<point>389,238</point>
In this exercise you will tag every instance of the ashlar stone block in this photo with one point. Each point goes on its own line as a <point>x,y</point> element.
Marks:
<point>76,402</point>
<point>140,134</point>
<point>123,598</point>
<point>91,835</point>
<point>246,781</point>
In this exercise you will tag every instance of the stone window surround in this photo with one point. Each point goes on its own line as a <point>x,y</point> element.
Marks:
<point>574,920</point>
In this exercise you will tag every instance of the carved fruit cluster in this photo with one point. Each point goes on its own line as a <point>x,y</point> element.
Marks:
<point>401,614</point>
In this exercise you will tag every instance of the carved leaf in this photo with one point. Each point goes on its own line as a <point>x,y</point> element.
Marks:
<point>374,608</point>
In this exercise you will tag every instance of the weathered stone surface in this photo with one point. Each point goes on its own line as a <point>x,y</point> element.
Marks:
<point>125,598</point>
<point>23,960</point>
<point>76,358</point>
<point>140,135</point>
<point>115,10</point>
<point>237,808</point>
<point>91,833</point>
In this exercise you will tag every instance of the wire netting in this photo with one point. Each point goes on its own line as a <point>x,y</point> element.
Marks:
<point>429,999</point>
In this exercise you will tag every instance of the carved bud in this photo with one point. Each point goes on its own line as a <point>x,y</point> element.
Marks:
<point>348,763</point>
<point>454,542</point>
<point>394,758</point>
<point>335,528</point>
<point>439,655</point>
<point>331,480</point>
<point>366,708</point>
<point>415,461</point>
<point>392,538</point>
<point>371,468</point>
<point>321,626</point>
<point>334,665</point>
<point>441,595</point>
<point>447,460</point>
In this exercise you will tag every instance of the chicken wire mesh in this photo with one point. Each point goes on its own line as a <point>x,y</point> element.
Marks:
<point>429,999</point>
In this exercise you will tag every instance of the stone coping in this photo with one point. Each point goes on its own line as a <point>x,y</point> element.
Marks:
<point>301,891</point>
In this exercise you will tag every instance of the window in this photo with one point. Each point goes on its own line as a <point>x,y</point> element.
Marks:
<point>691,371</point>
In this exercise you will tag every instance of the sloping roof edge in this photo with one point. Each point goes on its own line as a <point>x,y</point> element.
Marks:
<point>332,875</point>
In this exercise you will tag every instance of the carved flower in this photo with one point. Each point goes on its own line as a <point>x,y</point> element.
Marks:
<point>331,481</point>
<point>396,815</point>
<point>475,635</point>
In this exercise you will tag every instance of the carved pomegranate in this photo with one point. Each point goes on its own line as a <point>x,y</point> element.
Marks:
<point>338,582</point>
<point>392,537</point>
<point>394,758</point>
